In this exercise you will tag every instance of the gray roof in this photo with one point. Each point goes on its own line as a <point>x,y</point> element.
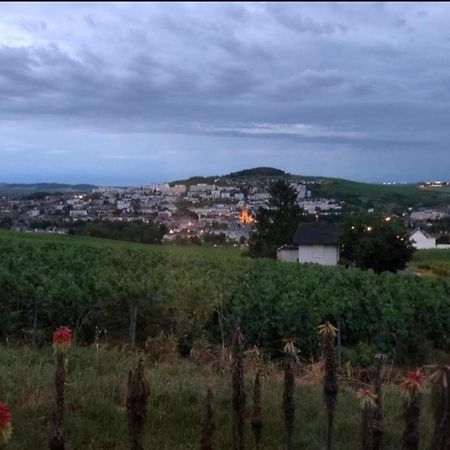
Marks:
<point>288,247</point>
<point>423,232</point>
<point>316,234</point>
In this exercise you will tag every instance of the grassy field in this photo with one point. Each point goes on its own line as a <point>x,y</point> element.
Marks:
<point>89,241</point>
<point>431,262</point>
<point>96,417</point>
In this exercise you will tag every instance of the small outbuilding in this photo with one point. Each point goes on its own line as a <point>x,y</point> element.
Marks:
<point>317,243</point>
<point>288,253</point>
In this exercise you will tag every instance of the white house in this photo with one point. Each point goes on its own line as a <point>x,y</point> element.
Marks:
<point>422,240</point>
<point>317,243</point>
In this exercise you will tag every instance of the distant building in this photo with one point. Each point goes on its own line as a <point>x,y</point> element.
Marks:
<point>421,240</point>
<point>427,214</point>
<point>34,213</point>
<point>123,205</point>
<point>317,243</point>
<point>165,215</point>
<point>202,187</point>
<point>77,213</point>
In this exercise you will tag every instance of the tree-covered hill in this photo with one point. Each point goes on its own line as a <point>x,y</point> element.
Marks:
<point>258,172</point>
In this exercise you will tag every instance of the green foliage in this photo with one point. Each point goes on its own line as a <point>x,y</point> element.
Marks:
<point>443,239</point>
<point>136,231</point>
<point>276,224</point>
<point>6,222</point>
<point>392,198</point>
<point>39,195</point>
<point>258,172</point>
<point>192,291</point>
<point>212,238</point>
<point>392,314</point>
<point>370,241</point>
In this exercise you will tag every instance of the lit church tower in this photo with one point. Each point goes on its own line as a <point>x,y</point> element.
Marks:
<point>245,217</point>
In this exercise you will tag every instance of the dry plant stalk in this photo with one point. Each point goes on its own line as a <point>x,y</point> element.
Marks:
<point>330,386</point>
<point>57,440</point>
<point>237,350</point>
<point>208,426</point>
<point>257,408</point>
<point>440,398</point>
<point>62,341</point>
<point>137,399</point>
<point>412,388</point>
<point>288,401</point>
<point>377,425</point>
<point>368,404</point>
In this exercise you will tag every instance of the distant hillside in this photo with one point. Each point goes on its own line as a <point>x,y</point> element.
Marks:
<point>353,193</point>
<point>388,197</point>
<point>258,172</point>
<point>20,189</point>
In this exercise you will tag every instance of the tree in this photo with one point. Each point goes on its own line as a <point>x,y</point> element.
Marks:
<point>371,241</point>
<point>276,224</point>
<point>6,222</point>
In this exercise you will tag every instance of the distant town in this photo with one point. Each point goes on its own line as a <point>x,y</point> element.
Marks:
<point>221,210</point>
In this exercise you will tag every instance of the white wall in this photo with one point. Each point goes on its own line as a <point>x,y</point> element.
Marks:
<point>326,255</point>
<point>287,255</point>
<point>421,241</point>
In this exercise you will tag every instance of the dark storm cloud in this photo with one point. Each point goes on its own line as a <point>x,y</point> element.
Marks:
<point>370,77</point>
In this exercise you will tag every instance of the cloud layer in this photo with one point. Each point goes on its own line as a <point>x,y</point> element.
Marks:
<point>147,91</point>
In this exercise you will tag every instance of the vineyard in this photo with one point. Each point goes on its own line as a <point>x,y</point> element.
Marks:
<point>131,292</point>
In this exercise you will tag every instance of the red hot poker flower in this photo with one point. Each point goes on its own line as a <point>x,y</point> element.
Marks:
<point>414,381</point>
<point>62,339</point>
<point>5,423</point>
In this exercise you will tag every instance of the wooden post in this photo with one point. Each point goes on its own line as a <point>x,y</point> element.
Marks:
<point>57,441</point>
<point>35,325</point>
<point>133,323</point>
<point>339,348</point>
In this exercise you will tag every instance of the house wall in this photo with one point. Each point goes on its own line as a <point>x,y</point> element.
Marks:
<point>287,255</point>
<point>327,255</point>
<point>422,242</point>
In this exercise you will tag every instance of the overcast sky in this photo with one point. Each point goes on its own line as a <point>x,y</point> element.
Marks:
<point>126,93</point>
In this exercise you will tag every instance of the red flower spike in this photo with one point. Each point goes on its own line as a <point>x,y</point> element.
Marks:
<point>62,339</point>
<point>5,423</point>
<point>414,382</point>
